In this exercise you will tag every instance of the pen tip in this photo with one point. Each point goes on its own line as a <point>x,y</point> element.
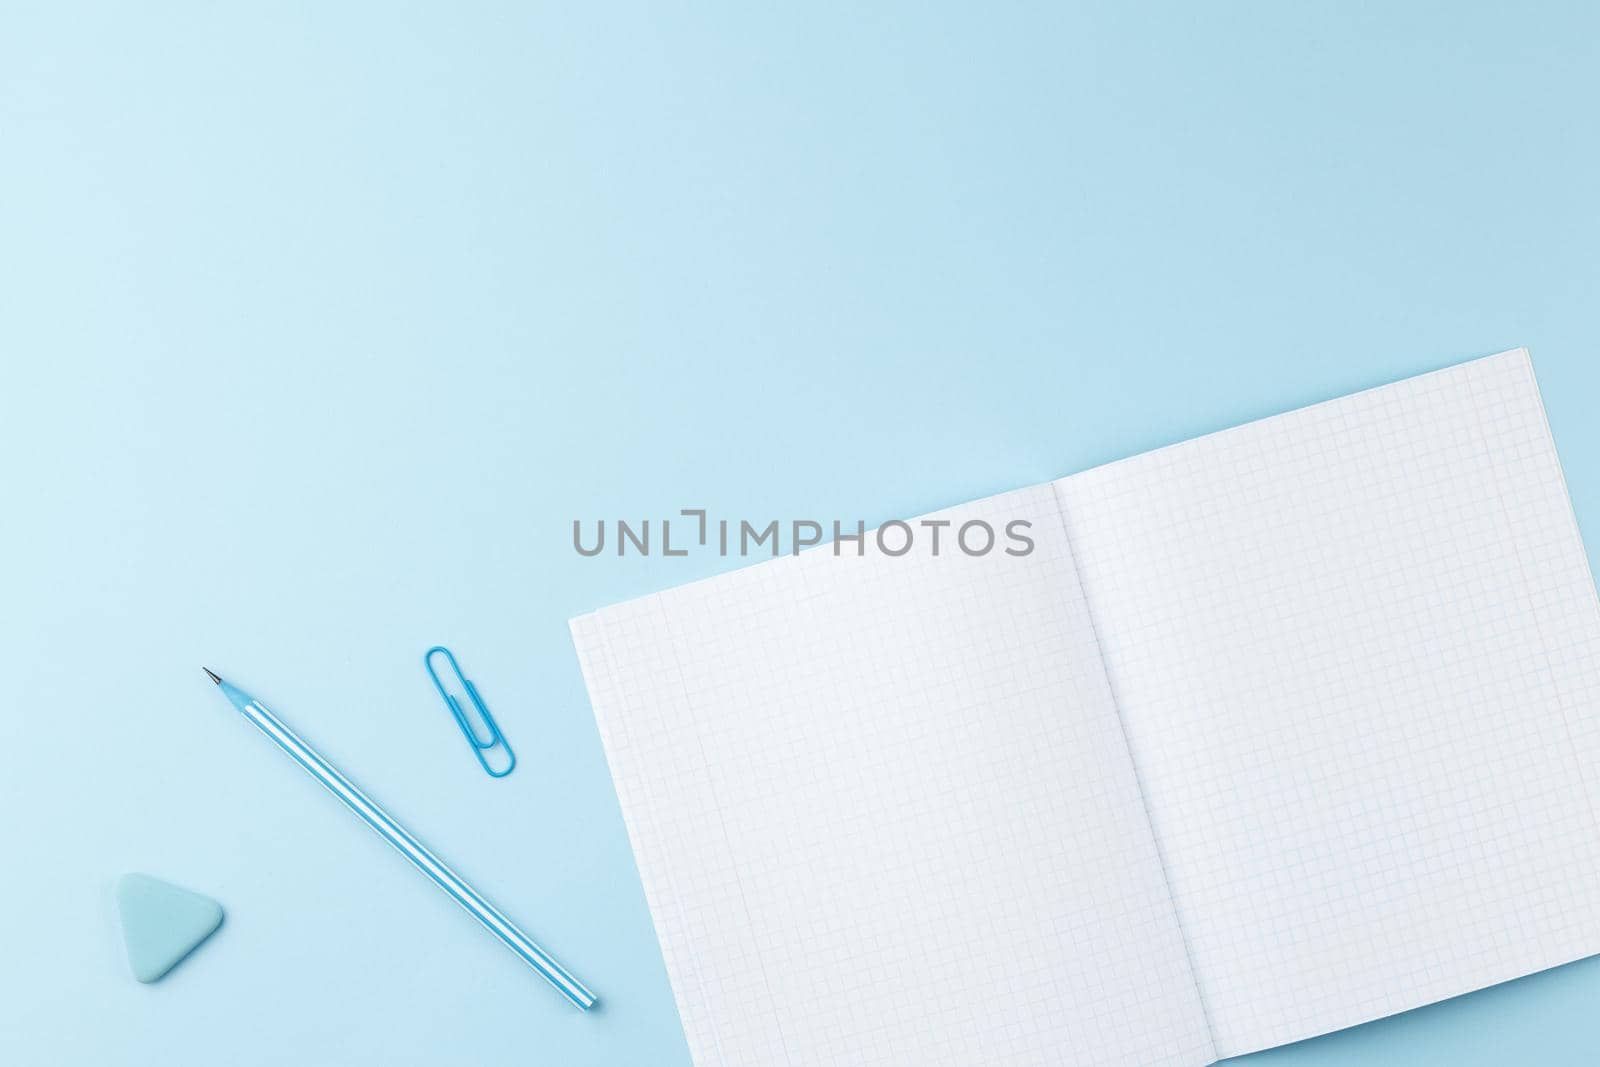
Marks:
<point>212,675</point>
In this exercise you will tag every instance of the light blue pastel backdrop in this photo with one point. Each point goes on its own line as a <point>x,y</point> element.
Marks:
<point>321,323</point>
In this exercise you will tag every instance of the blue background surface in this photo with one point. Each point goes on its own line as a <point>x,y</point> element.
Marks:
<point>320,324</point>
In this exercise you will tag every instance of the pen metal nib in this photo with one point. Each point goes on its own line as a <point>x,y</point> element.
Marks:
<point>212,675</point>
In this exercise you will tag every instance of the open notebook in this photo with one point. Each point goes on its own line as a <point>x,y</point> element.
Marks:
<point>1276,731</point>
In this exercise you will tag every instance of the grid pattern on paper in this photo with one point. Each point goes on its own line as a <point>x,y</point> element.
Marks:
<point>1355,648</point>
<point>884,813</point>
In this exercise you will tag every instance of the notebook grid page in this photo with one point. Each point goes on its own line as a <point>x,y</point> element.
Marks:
<point>1354,647</point>
<point>884,813</point>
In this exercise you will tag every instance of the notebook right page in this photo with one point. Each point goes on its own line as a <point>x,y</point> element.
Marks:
<point>1355,648</point>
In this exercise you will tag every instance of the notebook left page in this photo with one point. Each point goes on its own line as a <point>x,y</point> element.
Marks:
<point>884,812</point>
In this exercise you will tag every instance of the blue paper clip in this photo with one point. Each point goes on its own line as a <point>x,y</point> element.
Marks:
<point>479,745</point>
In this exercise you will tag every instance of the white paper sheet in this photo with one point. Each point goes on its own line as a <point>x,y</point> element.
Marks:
<point>884,813</point>
<point>1355,648</point>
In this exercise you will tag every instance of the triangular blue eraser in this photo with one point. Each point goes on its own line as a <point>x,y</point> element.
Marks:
<point>162,923</point>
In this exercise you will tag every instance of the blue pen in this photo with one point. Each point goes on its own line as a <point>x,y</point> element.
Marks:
<point>408,846</point>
